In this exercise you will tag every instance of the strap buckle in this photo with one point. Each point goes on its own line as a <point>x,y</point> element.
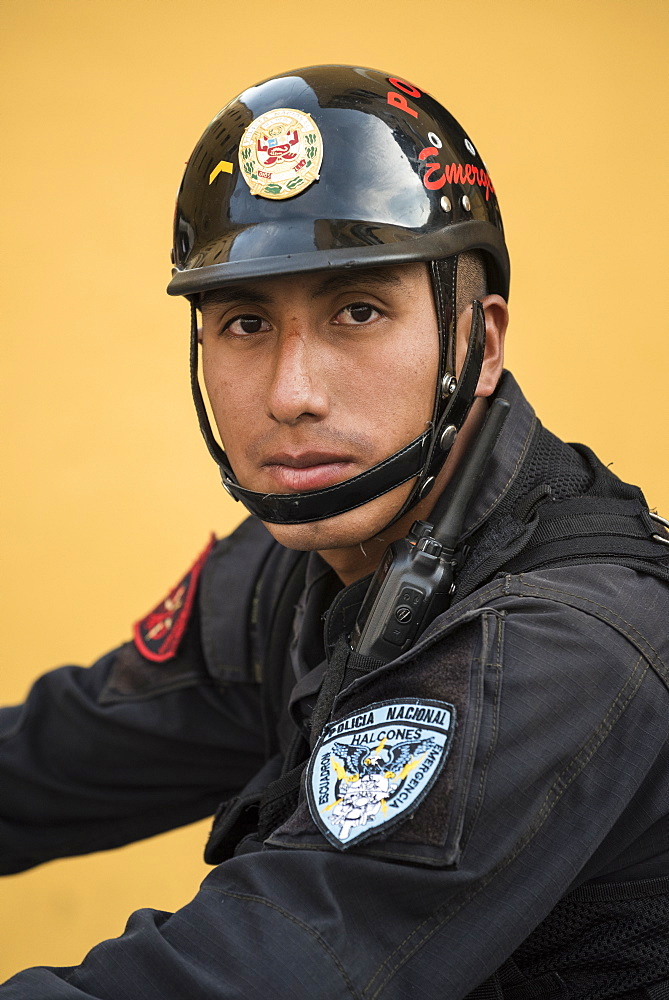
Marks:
<point>663,521</point>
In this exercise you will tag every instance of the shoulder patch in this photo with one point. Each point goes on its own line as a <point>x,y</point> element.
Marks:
<point>157,636</point>
<point>370,767</point>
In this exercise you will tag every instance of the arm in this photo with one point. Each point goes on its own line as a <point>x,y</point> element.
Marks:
<point>532,797</point>
<point>85,766</point>
<point>132,746</point>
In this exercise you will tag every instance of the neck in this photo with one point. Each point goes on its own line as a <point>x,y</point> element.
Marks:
<point>351,563</point>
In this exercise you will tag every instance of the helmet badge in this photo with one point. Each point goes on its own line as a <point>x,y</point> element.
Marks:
<point>280,153</point>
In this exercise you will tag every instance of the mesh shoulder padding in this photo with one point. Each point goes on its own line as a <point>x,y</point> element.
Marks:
<point>550,462</point>
<point>555,463</point>
<point>604,941</point>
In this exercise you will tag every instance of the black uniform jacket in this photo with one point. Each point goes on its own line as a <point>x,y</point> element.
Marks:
<point>513,780</point>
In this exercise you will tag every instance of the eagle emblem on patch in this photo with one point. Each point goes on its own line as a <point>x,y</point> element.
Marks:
<point>372,767</point>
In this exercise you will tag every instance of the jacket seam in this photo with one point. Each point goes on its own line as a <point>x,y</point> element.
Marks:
<point>496,665</point>
<point>250,897</point>
<point>478,713</point>
<point>521,458</point>
<point>557,790</point>
<point>605,616</point>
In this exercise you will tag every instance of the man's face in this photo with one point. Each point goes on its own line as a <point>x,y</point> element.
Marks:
<point>314,378</point>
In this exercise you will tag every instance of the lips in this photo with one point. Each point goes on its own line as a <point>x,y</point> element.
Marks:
<point>308,470</point>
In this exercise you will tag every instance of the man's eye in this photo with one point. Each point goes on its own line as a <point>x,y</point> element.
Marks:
<point>241,325</point>
<point>357,312</point>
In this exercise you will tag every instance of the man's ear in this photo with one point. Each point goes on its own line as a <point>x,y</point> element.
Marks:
<point>496,321</point>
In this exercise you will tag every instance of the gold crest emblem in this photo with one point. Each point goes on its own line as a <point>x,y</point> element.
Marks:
<point>280,153</point>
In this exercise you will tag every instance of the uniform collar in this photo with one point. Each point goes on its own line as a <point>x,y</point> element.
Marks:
<point>507,458</point>
<point>321,584</point>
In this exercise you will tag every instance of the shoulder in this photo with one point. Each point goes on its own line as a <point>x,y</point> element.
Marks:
<point>566,626</point>
<point>201,625</point>
<point>602,603</point>
<point>250,539</point>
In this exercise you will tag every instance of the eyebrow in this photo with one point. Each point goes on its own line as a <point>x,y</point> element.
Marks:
<point>368,276</point>
<point>332,283</point>
<point>234,293</point>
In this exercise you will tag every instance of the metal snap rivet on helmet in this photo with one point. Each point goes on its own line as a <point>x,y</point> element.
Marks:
<point>448,436</point>
<point>466,203</point>
<point>446,204</point>
<point>426,487</point>
<point>448,384</point>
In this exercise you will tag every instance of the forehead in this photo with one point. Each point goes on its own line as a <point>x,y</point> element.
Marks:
<point>397,279</point>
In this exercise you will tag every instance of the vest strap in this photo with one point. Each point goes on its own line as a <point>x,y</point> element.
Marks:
<point>237,818</point>
<point>509,983</point>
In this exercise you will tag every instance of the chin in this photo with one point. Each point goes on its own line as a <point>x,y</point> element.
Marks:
<point>344,530</point>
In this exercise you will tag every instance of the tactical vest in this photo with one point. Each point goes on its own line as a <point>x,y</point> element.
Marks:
<point>563,508</point>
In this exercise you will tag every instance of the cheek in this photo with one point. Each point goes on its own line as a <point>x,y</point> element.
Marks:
<point>225,389</point>
<point>215,385</point>
<point>402,385</point>
<point>225,370</point>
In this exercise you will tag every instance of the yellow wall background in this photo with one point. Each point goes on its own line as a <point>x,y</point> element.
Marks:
<point>108,491</point>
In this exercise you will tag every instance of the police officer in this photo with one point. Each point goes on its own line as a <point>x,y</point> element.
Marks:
<point>447,780</point>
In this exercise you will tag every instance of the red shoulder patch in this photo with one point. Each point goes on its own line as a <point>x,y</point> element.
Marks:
<point>157,636</point>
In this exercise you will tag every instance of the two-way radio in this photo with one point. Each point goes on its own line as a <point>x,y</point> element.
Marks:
<point>414,581</point>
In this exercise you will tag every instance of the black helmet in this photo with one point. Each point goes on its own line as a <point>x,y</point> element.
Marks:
<point>339,166</point>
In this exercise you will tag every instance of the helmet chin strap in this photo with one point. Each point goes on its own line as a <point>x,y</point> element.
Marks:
<point>420,459</point>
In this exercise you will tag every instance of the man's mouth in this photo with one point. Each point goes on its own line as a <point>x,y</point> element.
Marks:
<point>307,470</point>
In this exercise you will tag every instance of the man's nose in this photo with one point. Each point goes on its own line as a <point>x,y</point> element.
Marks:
<point>297,388</point>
